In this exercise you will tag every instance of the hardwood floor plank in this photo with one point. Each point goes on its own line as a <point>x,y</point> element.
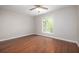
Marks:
<point>37,44</point>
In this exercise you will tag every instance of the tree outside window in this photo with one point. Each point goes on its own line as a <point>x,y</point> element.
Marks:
<point>47,25</point>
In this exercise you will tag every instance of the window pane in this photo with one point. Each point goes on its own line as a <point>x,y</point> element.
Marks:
<point>47,24</point>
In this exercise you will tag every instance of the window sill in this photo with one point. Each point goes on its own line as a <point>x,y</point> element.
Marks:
<point>47,33</point>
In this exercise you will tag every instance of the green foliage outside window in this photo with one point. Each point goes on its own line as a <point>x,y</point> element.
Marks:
<point>47,25</point>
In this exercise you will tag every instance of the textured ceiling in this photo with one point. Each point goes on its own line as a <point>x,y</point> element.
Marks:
<point>25,8</point>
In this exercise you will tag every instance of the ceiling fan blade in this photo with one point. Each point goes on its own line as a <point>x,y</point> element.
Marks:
<point>37,5</point>
<point>33,8</point>
<point>44,8</point>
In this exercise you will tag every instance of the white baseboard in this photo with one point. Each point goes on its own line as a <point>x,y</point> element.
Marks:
<point>61,39</point>
<point>42,35</point>
<point>15,37</point>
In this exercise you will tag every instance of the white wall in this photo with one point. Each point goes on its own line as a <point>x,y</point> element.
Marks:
<point>14,25</point>
<point>65,23</point>
<point>78,21</point>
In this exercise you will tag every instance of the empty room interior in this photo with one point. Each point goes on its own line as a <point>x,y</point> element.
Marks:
<point>39,28</point>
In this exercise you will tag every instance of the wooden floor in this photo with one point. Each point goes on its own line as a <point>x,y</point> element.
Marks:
<point>37,44</point>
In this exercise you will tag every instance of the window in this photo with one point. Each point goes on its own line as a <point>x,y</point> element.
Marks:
<point>47,25</point>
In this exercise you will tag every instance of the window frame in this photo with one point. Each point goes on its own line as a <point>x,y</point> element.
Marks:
<point>43,27</point>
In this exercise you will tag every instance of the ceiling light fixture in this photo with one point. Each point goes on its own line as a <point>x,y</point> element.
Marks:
<point>40,10</point>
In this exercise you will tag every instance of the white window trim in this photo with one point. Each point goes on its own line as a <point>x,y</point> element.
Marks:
<point>45,32</point>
